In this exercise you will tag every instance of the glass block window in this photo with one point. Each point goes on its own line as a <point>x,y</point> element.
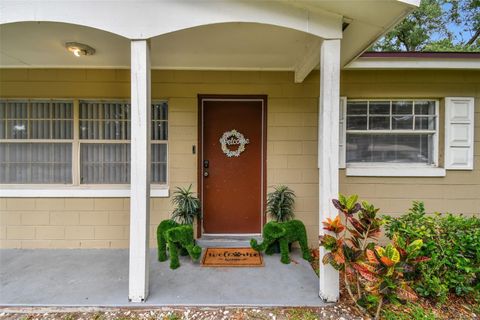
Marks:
<point>36,141</point>
<point>391,131</point>
<point>104,133</point>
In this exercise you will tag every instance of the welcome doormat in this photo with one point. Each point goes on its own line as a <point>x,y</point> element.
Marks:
<point>232,257</point>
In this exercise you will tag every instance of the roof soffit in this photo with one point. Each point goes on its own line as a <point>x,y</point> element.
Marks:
<point>146,19</point>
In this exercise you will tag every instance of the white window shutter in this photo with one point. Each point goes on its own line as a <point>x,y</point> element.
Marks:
<point>342,134</point>
<point>459,126</point>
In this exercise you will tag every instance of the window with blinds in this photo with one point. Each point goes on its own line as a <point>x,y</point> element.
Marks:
<point>36,141</point>
<point>159,142</point>
<point>391,131</point>
<point>105,142</point>
<point>39,139</point>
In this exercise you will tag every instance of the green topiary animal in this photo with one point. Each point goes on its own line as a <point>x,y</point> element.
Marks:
<point>178,238</point>
<point>285,233</point>
<point>163,227</point>
<point>181,237</point>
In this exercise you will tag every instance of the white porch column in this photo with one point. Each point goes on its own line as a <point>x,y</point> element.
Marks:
<point>140,171</point>
<point>328,123</point>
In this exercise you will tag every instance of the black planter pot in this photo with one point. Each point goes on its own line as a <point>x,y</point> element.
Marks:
<point>183,251</point>
<point>276,247</point>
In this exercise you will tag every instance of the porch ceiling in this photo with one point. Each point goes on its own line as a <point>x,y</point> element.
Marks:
<point>185,38</point>
<point>241,46</point>
<point>42,44</point>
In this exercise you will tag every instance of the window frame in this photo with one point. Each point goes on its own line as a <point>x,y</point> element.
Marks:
<point>77,189</point>
<point>396,169</point>
<point>29,120</point>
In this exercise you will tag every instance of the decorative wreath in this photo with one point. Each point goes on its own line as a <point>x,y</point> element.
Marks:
<point>233,137</point>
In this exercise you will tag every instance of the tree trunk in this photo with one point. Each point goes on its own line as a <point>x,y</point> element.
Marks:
<point>473,38</point>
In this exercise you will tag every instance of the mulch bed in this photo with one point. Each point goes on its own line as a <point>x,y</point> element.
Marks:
<point>340,311</point>
<point>454,308</point>
<point>331,312</point>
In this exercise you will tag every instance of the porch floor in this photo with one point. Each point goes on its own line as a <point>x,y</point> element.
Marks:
<point>100,278</point>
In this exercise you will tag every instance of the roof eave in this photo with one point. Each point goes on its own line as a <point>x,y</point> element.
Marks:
<point>412,5</point>
<point>378,63</point>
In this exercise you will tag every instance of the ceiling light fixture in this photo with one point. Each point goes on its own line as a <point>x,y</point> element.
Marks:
<point>79,49</point>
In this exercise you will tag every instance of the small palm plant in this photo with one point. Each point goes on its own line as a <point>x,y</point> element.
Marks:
<point>187,206</point>
<point>280,203</point>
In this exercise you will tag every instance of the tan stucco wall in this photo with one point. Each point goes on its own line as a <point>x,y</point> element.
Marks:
<point>99,223</point>
<point>292,147</point>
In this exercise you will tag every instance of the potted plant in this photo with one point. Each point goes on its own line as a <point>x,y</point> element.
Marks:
<point>177,232</point>
<point>187,206</point>
<point>280,207</point>
<point>280,203</point>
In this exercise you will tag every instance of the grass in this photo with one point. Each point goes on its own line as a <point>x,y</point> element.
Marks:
<point>302,314</point>
<point>411,312</point>
<point>173,316</point>
<point>98,316</point>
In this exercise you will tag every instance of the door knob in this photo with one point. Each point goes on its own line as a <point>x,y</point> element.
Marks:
<point>205,174</point>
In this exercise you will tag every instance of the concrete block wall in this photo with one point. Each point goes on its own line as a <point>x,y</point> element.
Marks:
<point>103,223</point>
<point>459,191</point>
<point>64,223</point>
<point>292,155</point>
<point>291,147</point>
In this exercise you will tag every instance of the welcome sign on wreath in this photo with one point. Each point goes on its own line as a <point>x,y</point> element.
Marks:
<point>231,138</point>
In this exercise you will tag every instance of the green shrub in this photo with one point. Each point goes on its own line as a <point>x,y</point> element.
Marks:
<point>452,242</point>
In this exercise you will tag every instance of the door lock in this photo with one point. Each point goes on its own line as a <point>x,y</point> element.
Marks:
<point>206,164</point>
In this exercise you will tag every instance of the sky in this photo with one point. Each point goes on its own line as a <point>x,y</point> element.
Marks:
<point>458,30</point>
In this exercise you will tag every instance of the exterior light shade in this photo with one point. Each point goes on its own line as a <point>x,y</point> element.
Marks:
<point>79,49</point>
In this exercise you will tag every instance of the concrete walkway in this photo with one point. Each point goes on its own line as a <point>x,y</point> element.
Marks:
<point>100,278</point>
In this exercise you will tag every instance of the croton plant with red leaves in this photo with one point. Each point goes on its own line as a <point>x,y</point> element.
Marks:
<point>373,274</point>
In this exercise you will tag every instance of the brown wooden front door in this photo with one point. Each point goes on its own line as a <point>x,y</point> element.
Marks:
<point>231,163</point>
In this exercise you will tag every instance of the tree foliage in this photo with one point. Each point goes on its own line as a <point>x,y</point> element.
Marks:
<point>437,25</point>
